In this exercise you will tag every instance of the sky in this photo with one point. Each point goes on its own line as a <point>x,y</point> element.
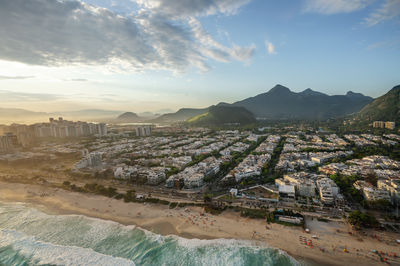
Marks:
<point>152,55</point>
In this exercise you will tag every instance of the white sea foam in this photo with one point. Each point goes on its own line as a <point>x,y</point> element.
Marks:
<point>77,240</point>
<point>194,243</point>
<point>46,253</point>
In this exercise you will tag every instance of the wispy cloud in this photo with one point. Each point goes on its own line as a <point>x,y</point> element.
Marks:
<point>389,10</point>
<point>17,97</point>
<point>16,77</point>
<point>160,35</point>
<point>78,80</point>
<point>384,44</point>
<point>335,6</point>
<point>270,47</point>
<point>192,8</point>
<point>13,96</point>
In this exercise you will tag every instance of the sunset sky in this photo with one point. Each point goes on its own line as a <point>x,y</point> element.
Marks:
<point>148,55</point>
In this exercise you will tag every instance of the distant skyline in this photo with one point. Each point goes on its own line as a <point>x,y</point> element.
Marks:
<point>147,55</point>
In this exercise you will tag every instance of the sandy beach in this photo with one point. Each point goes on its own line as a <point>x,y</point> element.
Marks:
<point>333,245</point>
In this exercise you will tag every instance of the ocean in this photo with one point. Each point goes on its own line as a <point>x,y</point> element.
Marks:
<point>31,237</point>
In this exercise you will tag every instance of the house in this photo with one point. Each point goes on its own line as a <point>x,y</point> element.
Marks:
<point>260,192</point>
<point>287,193</point>
<point>392,186</point>
<point>328,190</point>
<point>372,193</point>
<point>233,192</point>
<point>194,180</point>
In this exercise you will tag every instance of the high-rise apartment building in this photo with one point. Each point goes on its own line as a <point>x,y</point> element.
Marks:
<point>143,131</point>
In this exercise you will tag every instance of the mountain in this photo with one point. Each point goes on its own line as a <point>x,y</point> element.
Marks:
<point>384,108</point>
<point>164,111</point>
<point>15,115</point>
<point>223,115</point>
<point>181,115</point>
<point>19,112</point>
<point>128,117</point>
<point>281,103</point>
<point>146,114</point>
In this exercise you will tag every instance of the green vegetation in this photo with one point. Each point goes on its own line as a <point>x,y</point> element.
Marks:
<point>172,205</point>
<point>184,204</point>
<point>172,171</point>
<point>111,192</point>
<point>130,196</point>
<point>359,220</point>
<point>198,158</point>
<point>280,104</point>
<point>155,200</point>
<point>101,190</point>
<point>214,211</point>
<point>268,172</point>
<point>345,183</point>
<point>198,117</point>
<point>92,188</point>
<point>181,115</point>
<point>237,158</point>
<point>381,204</point>
<point>384,108</point>
<point>254,213</point>
<point>271,217</point>
<point>223,115</point>
<point>392,152</point>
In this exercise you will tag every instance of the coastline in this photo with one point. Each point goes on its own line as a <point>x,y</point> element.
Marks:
<point>193,223</point>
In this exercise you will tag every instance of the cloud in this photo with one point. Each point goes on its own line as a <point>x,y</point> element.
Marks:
<point>270,47</point>
<point>16,77</point>
<point>329,7</point>
<point>13,96</point>
<point>217,51</point>
<point>161,35</point>
<point>389,10</point>
<point>8,96</point>
<point>180,8</point>
<point>384,44</point>
<point>79,80</point>
<point>49,32</point>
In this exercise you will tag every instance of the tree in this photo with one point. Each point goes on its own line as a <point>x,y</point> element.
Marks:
<point>359,219</point>
<point>372,177</point>
<point>207,199</point>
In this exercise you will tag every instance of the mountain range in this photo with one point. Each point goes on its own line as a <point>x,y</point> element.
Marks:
<point>279,103</point>
<point>223,115</point>
<point>179,116</point>
<point>282,103</point>
<point>128,117</point>
<point>384,108</point>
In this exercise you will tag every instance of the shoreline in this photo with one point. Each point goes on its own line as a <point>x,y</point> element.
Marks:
<point>193,223</point>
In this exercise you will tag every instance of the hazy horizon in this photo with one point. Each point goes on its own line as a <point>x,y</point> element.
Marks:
<point>84,107</point>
